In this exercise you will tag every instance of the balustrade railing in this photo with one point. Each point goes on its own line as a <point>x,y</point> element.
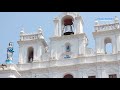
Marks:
<point>107,27</point>
<point>30,37</point>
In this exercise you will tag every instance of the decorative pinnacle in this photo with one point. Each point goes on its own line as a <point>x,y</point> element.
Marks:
<point>116,19</point>
<point>22,31</point>
<point>40,30</point>
<point>96,22</point>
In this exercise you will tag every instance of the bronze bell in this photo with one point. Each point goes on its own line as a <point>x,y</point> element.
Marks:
<point>68,27</point>
<point>68,30</point>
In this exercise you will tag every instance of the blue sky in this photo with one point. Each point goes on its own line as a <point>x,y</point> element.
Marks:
<point>11,23</point>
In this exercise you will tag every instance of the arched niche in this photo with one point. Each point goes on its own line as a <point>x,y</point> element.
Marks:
<point>30,54</point>
<point>68,76</point>
<point>67,25</point>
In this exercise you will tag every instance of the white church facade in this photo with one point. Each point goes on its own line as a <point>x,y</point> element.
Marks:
<point>67,55</point>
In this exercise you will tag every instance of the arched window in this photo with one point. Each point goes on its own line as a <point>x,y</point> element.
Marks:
<point>108,45</point>
<point>30,54</point>
<point>68,76</point>
<point>67,47</point>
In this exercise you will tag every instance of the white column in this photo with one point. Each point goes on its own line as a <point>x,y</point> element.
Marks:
<point>118,70</point>
<point>56,56</point>
<point>78,25</point>
<point>34,54</point>
<point>118,43</point>
<point>99,72</point>
<point>114,44</point>
<point>102,48</point>
<point>97,45</point>
<point>79,45</point>
<point>81,27</point>
<point>75,25</point>
<point>84,47</point>
<point>25,56</point>
<point>51,53</point>
<point>104,74</point>
<point>38,52</point>
<point>81,48</point>
<point>60,29</point>
<point>84,74</point>
<point>35,59</point>
<point>56,30</point>
<point>20,54</point>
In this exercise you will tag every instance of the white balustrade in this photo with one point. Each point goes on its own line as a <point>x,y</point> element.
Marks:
<point>107,26</point>
<point>30,37</point>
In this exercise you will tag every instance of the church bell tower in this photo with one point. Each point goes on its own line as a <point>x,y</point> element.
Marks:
<point>31,46</point>
<point>105,34</point>
<point>68,41</point>
<point>68,23</point>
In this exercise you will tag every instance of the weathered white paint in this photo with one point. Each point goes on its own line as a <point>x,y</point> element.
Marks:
<point>84,61</point>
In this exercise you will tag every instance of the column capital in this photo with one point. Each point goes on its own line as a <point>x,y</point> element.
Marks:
<point>78,18</point>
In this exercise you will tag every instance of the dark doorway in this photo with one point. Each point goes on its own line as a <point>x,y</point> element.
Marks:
<point>68,76</point>
<point>30,54</point>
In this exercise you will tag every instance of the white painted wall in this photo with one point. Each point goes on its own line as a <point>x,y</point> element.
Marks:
<point>80,65</point>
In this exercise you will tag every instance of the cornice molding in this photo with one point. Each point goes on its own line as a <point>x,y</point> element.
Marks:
<point>107,32</point>
<point>82,35</point>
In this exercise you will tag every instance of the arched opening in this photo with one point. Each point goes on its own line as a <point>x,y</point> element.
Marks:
<point>68,76</point>
<point>30,54</point>
<point>67,23</point>
<point>108,46</point>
